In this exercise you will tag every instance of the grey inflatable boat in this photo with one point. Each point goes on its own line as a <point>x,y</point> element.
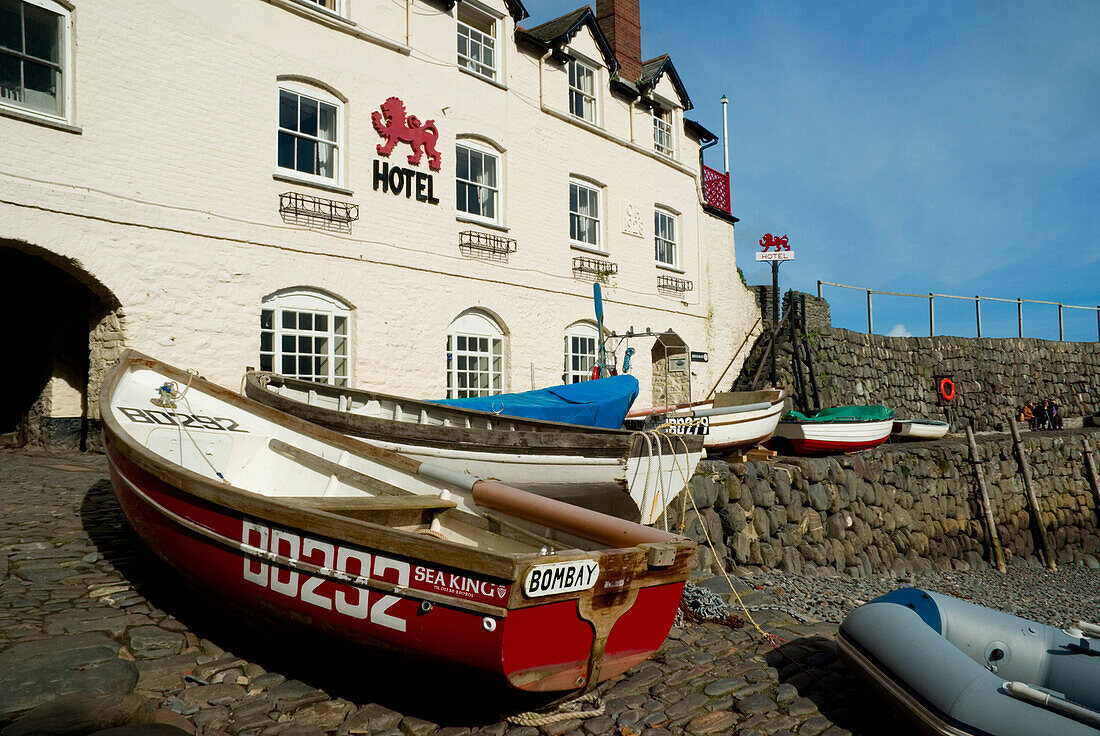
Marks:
<point>958,668</point>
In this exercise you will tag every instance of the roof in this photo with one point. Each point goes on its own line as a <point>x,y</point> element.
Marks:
<point>515,8</point>
<point>654,69</point>
<point>699,131</point>
<point>562,29</point>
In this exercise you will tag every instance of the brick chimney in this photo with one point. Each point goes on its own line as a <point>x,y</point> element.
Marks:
<point>620,21</point>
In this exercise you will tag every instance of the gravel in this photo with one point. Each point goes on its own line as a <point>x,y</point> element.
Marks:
<point>1059,598</point>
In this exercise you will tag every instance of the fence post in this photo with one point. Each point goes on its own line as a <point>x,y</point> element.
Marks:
<point>819,288</point>
<point>931,316</point>
<point>870,324</point>
<point>1020,315</point>
<point>978,312</point>
<point>1060,333</point>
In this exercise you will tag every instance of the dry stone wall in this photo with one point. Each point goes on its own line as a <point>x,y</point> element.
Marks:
<point>992,376</point>
<point>900,508</point>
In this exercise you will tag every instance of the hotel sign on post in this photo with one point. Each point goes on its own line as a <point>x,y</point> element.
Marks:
<point>782,250</point>
<point>393,124</point>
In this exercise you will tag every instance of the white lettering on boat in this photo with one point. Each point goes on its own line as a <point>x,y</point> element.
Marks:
<point>176,419</point>
<point>352,566</point>
<point>560,577</point>
<point>458,585</point>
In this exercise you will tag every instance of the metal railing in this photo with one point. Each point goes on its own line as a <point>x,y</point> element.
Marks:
<point>716,188</point>
<point>931,297</point>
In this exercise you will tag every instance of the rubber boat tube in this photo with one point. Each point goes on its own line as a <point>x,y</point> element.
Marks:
<point>956,667</point>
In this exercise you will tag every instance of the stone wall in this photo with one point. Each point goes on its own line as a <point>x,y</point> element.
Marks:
<point>992,376</point>
<point>897,509</point>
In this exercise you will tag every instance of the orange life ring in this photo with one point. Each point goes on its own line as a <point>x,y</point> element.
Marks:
<point>947,389</point>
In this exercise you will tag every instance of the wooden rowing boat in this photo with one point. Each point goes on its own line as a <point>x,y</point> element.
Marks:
<point>920,429</point>
<point>627,474</point>
<point>841,429</point>
<point>730,421</point>
<point>300,525</point>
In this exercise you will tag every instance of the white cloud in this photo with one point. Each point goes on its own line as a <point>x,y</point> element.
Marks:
<point>898,331</point>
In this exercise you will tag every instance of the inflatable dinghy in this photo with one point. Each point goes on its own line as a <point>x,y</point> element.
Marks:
<point>958,668</point>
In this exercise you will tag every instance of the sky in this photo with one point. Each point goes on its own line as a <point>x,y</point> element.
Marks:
<point>948,147</point>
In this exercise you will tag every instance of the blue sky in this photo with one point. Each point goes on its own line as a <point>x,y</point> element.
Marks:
<point>951,147</point>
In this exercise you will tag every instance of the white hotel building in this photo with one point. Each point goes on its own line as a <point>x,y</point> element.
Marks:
<point>208,182</point>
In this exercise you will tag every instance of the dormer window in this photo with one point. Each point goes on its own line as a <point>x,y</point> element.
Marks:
<point>477,44</point>
<point>662,131</point>
<point>582,91</point>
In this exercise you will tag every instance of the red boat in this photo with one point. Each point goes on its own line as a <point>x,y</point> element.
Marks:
<point>293,523</point>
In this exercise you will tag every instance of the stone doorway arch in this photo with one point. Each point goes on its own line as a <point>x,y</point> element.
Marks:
<point>671,370</point>
<point>63,329</point>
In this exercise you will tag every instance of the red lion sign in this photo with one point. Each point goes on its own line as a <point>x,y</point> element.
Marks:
<point>768,241</point>
<point>397,127</point>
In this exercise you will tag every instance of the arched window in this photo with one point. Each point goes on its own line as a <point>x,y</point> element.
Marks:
<point>305,333</point>
<point>580,351</point>
<point>475,356</point>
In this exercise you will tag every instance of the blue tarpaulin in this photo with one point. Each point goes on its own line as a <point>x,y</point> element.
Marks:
<point>600,403</point>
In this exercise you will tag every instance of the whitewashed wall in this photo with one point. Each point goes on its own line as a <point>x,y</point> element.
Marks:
<point>166,194</point>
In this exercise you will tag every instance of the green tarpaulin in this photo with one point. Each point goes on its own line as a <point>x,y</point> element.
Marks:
<point>874,413</point>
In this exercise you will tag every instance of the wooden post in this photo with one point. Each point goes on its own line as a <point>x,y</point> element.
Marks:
<point>1094,480</point>
<point>931,315</point>
<point>978,313</point>
<point>1032,499</point>
<point>987,509</point>
<point>870,322</point>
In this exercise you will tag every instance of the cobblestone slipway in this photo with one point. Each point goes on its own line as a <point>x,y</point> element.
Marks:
<point>95,632</point>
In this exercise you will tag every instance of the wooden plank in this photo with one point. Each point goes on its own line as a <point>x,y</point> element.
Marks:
<point>343,474</point>
<point>372,503</point>
<point>987,508</point>
<point>1032,499</point>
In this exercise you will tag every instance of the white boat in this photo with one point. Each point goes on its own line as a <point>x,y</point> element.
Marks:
<point>834,430</point>
<point>730,421</point>
<point>920,429</point>
<point>633,475</point>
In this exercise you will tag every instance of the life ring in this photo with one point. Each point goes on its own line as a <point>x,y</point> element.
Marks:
<point>947,389</point>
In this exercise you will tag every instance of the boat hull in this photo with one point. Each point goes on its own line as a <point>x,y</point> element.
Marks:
<point>920,429</point>
<point>302,527</point>
<point>538,648</point>
<point>723,422</point>
<point>827,438</point>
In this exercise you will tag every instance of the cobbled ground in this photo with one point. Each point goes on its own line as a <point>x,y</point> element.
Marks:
<point>85,608</point>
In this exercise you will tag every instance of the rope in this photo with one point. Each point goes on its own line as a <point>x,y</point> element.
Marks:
<point>564,712</point>
<point>168,394</point>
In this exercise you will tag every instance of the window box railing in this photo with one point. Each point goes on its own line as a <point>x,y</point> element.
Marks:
<point>716,189</point>
<point>594,268</point>
<point>671,284</point>
<point>474,244</point>
<point>306,209</point>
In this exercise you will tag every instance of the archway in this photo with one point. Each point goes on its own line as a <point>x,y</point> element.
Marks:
<point>671,370</point>
<point>63,329</point>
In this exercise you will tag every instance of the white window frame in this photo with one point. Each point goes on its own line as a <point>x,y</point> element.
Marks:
<point>595,192</point>
<point>62,67</point>
<point>578,71</point>
<point>579,359</point>
<point>496,190</point>
<point>474,336</point>
<point>665,233</point>
<point>663,141</point>
<point>321,96</point>
<point>334,364</point>
<point>475,37</point>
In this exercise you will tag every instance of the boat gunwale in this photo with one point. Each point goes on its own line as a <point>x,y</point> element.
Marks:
<point>527,437</point>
